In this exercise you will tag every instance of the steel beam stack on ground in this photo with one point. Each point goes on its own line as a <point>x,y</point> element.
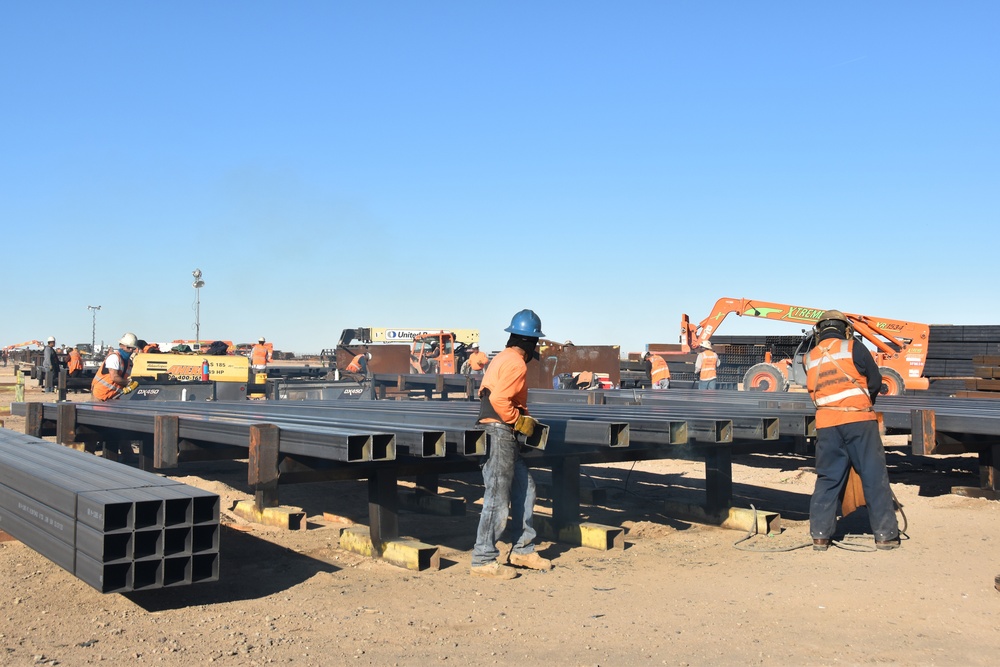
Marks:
<point>117,528</point>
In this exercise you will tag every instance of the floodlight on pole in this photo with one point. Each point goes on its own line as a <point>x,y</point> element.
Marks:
<point>93,328</point>
<point>197,285</point>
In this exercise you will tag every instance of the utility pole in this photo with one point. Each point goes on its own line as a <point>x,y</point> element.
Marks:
<point>197,285</point>
<point>93,328</point>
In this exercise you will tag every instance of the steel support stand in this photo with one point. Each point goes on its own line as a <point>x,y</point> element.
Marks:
<point>262,467</point>
<point>565,491</point>
<point>718,477</point>
<point>383,507</point>
<point>165,446</point>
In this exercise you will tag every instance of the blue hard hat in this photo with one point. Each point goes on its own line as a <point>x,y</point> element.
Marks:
<point>526,323</point>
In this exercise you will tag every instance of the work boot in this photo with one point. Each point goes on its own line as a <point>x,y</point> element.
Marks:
<point>887,544</point>
<point>494,570</point>
<point>504,548</point>
<point>821,544</point>
<point>532,561</point>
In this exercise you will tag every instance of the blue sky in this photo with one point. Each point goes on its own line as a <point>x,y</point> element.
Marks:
<point>610,165</point>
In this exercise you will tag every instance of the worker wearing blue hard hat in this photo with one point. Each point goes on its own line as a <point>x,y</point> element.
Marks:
<point>508,485</point>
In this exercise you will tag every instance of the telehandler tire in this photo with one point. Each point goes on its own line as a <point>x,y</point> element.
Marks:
<point>892,381</point>
<point>764,377</point>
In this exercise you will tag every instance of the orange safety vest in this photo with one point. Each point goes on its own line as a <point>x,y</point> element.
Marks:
<point>709,362</point>
<point>75,362</point>
<point>258,356</point>
<point>102,388</point>
<point>355,365</point>
<point>837,388</point>
<point>659,369</point>
<point>478,360</point>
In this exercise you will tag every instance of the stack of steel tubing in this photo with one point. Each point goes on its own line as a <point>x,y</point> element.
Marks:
<point>117,528</point>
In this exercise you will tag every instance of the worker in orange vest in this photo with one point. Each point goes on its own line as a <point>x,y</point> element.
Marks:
<point>359,364</point>
<point>112,377</point>
<point>843,381</point>
<point>706,367</point>
<point>74,363</point>
<point>260,355</point>
<point>477,360</point>
<point>656,369</point>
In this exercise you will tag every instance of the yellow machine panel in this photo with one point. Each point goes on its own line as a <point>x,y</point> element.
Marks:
<point>187,367</point>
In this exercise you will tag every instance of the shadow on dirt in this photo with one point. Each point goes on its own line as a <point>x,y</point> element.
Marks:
<point>249,568</point>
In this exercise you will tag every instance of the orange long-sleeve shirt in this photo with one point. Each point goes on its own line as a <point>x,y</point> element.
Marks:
<point>505,378</point>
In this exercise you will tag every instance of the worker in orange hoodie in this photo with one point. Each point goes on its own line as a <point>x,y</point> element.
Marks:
<point>506,480</point>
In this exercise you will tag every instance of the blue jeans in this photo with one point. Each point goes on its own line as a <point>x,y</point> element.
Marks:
<point>507,482</point>
<point>837,449</point>
<point>708,384</point>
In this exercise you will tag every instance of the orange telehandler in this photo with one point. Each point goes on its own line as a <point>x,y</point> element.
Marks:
<point>900,347</point>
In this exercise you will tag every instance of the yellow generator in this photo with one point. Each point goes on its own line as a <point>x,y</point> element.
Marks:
<point>191,367</point>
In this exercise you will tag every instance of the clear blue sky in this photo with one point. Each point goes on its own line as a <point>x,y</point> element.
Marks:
<point>610,165</point>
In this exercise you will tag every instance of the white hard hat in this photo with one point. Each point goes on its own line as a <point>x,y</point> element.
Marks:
<point>128,340</point>
<point>51,339</point>
<point>475,346</point>
<point>260,340</point>
<point>707,345</point>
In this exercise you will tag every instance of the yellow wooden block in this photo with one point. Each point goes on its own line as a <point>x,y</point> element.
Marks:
<point>592,535</point>
<point>403,552</point>
<point>291,518</point>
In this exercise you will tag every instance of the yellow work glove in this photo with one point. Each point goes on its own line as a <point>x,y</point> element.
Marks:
<point>525,424</point>
<point>130,387</point>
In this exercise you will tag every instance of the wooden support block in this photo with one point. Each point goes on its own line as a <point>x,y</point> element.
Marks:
<point>402,552</point>
<point>975,492</point>
<point>591,535</point>
<point>7,537</point>
<point>165,441</point>
<point>290,518</point>
<point>433,504</point>
<point>732,518</point>
<point>262,468</point>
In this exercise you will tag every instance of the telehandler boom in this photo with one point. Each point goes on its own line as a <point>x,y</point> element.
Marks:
<point>900,347</point>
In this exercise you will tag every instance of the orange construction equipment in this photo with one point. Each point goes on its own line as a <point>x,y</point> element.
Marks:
<point>900,347</point>
<point>437,352</point>
<point>26,343</point>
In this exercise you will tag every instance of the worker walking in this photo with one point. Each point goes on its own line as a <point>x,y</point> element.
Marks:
<point>706,367</point>
<point>114,374</point>
<point>74,363</point>
<point>50,365</point>
<point>656,371</point>
<point>506,480</point>
<point>260,355</point>
<point>843,382</point>
<point>477,360</point>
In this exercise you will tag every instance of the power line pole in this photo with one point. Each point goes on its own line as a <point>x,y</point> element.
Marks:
<point>93,329</point>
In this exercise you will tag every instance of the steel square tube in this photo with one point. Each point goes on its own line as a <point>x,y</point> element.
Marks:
<point>147,574</point>
<point>105,548</point>
<point>112,578</point>
<point>43,517</point>
<point>205,567</point>
<point>177,541</point>
<point>177,571</point>
<point>147,543</point>
<point>56,550</point>
<point>105,511</point>
<point>205,539</point>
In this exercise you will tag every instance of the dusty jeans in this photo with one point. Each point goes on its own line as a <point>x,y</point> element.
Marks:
<point>507,482</point>
<point>837,449</point>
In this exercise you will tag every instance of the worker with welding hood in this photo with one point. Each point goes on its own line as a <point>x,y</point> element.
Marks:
<point>843,381</point>
<point>506,480</point>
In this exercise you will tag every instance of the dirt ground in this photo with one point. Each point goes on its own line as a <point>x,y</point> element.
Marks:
<point>678,594</point>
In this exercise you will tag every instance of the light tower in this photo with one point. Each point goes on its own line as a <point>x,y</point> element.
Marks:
<point>93,328</point>
<point>197,285</point>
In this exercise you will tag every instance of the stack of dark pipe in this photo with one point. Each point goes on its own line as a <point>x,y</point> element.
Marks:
<point>115,527</point>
